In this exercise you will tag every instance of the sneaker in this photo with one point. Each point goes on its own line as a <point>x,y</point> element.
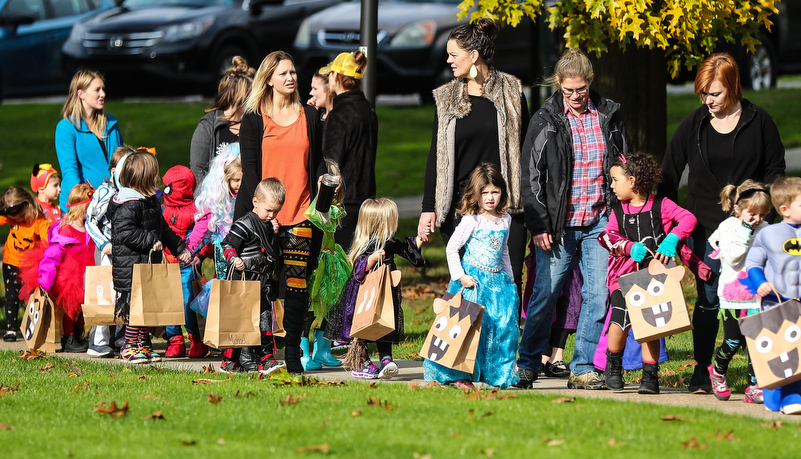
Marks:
<point>556,369</point>
<point>270,365</point>
<point>793,408</point>
<point>340,346</point>
<point>527,378</point>
<point>101,350</point>
<point>10,336</point>
<point>720,387</point>
<point>133,354</point>
<point>464,384</point>
<point>753,394</point>
<point>590,380</point>
<point>699,382</point>
<point>175,347</point>
<point>389,369</point>
<point>229,367</point>
<point>369,371</point>
<point>147,347</point>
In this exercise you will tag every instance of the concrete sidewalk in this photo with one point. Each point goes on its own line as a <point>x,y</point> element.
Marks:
<point>412,372</point>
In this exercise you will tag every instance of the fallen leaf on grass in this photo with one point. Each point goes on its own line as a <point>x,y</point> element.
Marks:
<point>686,365</point>
<point>693,443</point>
<point>246,395</point>
<point>32,355</point>
<point>357,413</point>
<point>150,396</point>
<point>489,452</point>
<point>209,369</point>
<point>676,418</point>
<point>564,400</point>
<point>154,415</point>
<point>413,386</point>
<point>47,367</point>
<point>372,385</point>
<point>612,442</point>
<point>214,399</point>
<point>321,448</point>
<point>417,455</point>
<point>773,425</point>
<point>411,356</point>
<point>636,380</point>
<point>220,441</point>
<point>290,400</point>
<point>85,385</point>
<point>5,427</point>
<point>488,413</point>
<point>729,436</point>
<point>112,376</point>
<point>478,394</point>
<point>113,410</point>
<point>420,310</point>
<point>383,404</point>
<point>208,381</point>
<point>555,442</point>
<point>143,378</point>
<point>188,442</point>
<point>74,368</point>
<point>8,389</point>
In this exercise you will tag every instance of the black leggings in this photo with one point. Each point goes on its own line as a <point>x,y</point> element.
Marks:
<point>13,285</point>
<point>732,341</point>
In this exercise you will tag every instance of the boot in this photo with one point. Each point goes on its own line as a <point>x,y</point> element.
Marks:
<point>249,360</point>
<point>322,351</point>
<point>614,370</point>
<point>197,349</point>
<point>305,359</point>
<point>650,379</point>
<point>176,347</point>
<point>72,343</point>
<point>293,363</point>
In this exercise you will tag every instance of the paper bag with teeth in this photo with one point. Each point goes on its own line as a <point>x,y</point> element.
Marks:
<point>773,343</point>
<point>655,301</point>
<point>453,339</point>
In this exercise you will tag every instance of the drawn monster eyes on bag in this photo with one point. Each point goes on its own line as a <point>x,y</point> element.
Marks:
<point>454,318</point>
<point>654,293</point>
<point>774,336</point>
<point>34,312</point>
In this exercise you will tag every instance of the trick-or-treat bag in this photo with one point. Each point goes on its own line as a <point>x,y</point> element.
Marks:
<point>773,337</point>
<point>453,339</point>
<point>655,301</point>
<point>374,313</point>
<point>36,319</point>
<point>99,297</point>
<point>233,315</point>
<point>278,318</point>
<point>157,295</point>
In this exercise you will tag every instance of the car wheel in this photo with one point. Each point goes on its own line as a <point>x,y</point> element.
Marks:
<point>760,67</point>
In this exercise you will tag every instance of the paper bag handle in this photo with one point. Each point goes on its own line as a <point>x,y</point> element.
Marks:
<point>150,255</point>
<point>231,271</point>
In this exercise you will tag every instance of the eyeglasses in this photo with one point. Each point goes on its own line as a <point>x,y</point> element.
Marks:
<point>578,92</point>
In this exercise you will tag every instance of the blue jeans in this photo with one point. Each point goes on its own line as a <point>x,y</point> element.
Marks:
<point>705,315</point>
<point>552,269</point>
<point>187,276</point>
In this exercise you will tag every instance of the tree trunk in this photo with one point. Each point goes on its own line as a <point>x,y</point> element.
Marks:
<point>636,79</point>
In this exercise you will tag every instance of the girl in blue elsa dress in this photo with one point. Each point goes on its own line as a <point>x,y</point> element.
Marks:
<point>484,275</point>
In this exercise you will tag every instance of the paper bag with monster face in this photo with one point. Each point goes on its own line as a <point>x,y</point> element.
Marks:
<point>35,320</point>
<point>655,301</point>
<point>99,297</point>
<point>453,339</point>
<point>773,344</point>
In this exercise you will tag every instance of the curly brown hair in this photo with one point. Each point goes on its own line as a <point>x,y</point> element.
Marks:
<point>644,168</point>
<point>483,175</point>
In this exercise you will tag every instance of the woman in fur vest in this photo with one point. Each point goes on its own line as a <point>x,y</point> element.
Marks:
<point>481,117</point>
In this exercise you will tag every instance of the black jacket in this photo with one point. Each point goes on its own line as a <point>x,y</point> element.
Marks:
<point>256,244</point>
<point>757,153</point>
<point>546,167</point>
<point>250,137</point>
<point>350,137</point>
<point>136,225</point>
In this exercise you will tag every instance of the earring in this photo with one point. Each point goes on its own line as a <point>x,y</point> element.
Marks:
<point>473,71</point>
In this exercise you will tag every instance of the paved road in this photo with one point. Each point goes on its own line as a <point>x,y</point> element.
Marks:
<point>412,372</point>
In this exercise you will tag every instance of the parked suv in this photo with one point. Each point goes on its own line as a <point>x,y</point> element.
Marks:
<point>185,40</point>
<point>31,35</point>
<point>412,35</point>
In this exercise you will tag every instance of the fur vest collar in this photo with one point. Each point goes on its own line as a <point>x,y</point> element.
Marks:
<point>452,103</point>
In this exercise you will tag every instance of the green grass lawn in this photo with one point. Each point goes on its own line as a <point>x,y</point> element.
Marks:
<point>49,408</point>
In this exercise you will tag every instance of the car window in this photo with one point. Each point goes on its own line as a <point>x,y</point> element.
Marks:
<point>32,8</point>
<point>146,3</point>
<point>64,8</point>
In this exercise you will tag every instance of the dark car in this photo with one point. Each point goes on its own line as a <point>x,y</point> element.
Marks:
<point>412,35</point>
<point>185,40</point>
<point>31,35</point>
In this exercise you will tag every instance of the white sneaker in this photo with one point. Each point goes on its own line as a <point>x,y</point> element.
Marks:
<point>793,408</point>
<point>389,369</point>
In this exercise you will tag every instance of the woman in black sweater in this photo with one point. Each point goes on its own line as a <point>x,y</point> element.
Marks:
<point>725,141</point>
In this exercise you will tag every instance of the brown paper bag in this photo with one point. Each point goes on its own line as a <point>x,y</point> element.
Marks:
<point>773,343</point>
<point>278,318</point>
<point>198,281</point>
<point>374,315</point>
<point>233,316</point>
<point>36,317</point>
<point>157,295</point>
<point>99,297</point>
<point>453,339</point>
<point>655,301</point>
<point>54,330</point>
